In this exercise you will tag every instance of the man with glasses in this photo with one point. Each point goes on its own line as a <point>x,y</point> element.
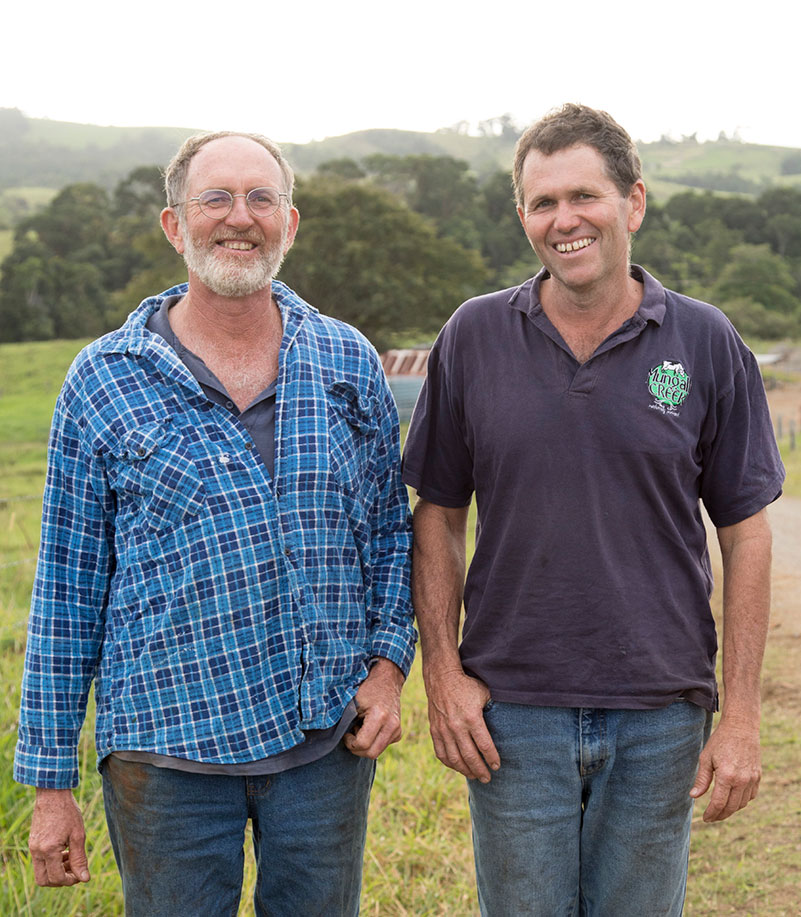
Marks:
<point>225,552</point>
<point>590,410</point>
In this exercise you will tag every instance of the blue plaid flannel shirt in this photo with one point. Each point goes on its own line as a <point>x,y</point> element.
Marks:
<point>220,612</point>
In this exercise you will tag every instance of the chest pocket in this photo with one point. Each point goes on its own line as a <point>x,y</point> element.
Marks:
<point>156,481</point>
<point>352,431</point>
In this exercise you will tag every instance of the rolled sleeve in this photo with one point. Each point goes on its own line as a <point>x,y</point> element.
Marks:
<point>392,633</point>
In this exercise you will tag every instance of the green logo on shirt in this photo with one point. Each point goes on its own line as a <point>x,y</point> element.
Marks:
<point>670,384</point>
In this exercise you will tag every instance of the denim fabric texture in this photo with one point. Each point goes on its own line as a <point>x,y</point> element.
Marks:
<point>220,610</point>
<point>590,811</point>
<point>179,838</point>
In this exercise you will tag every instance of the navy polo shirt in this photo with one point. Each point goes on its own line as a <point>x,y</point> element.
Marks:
<point>591,579</point>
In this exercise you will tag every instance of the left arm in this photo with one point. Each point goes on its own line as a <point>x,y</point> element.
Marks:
<point>732,754</point>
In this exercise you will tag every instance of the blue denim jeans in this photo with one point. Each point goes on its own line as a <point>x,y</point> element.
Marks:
<point>590,811</point>
<point>179,837</point>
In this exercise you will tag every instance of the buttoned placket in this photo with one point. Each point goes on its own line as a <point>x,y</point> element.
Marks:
<point>308,703</point>
<point>581,377</point>
<point>275,492</point>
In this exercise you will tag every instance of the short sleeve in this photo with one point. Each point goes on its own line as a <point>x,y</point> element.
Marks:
<point>437,461</point>
<point>743,471</point>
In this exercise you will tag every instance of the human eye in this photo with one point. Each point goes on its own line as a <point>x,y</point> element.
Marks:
<point>542,204</point>
<point>263,198</point>
<point>215,199</point>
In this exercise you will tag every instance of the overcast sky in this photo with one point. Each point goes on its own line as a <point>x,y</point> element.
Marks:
<point>315,69</point>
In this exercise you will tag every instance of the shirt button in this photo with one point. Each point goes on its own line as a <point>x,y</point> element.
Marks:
<point>229,404</point>
<point>248,446</point>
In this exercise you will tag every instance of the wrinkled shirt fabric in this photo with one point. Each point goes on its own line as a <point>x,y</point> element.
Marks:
<point>219,610</point>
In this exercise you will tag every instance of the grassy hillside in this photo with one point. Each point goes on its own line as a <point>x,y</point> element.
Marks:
<point>50,154</point>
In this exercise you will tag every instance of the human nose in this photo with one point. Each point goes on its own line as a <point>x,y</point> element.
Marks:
<point>566,218</point>
<point>239,214</point>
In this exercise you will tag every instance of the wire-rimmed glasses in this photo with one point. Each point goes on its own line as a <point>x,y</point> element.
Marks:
<point>216,204</point>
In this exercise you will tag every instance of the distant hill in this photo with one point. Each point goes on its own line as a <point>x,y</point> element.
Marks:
<point>42,154</point>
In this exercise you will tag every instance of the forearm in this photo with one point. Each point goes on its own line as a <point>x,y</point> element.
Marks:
<point>746,551</point>
<point>438,570</point>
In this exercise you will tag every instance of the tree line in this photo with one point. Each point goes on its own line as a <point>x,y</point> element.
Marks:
<point>391,244</point>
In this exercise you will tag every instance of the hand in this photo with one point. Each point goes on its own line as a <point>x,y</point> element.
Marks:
<point>461,739</point>
<point>378,706</point>
<point>57,839</point>
<point>732,756</point>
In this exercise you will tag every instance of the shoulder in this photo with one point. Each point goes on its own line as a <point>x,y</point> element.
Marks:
<point>489,307</point>
<point>314,322</point>
<point>706,326</point>
<point>338,349</point>
<point>479,316</point>
<point>105,361</point>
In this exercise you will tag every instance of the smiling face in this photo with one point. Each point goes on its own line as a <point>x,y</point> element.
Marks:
<point>239,255</point>
<point>576,219</point>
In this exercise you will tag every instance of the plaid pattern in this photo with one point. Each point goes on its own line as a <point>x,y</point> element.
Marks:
<point>219,611</point>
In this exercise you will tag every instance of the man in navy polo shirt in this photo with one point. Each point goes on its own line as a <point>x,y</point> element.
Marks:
<point>590,411</point>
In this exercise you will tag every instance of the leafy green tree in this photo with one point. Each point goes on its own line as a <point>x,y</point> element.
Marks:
<point>69,258</point>
<point>342,168</point>
<point>503,242</point>
<point>364,257</point>
<point>752,319</point>
<point>758,275</point>
<point>160,267</point>
<point>439,187</point>
<point>782,220</point>
<point>140,194</point>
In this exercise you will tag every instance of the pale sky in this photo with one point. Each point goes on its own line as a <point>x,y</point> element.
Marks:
<point>311,69</point>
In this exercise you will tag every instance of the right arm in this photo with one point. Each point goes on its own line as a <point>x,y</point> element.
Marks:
<point>455,700</point>
<point>65,633</point>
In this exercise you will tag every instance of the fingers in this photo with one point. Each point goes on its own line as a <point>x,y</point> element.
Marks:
<point>372,734</point>
<point>468,749</point>
<point>728,798</point>
<point>734,787</point>
<point>57,840</point>
<point>703,779</point>
<point>60,866</point>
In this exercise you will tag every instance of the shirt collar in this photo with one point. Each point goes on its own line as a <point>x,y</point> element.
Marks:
<point>526,297</point>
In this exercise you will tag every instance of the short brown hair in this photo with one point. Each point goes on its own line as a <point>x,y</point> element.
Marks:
<point>175,173</point>
<point>574,125</point>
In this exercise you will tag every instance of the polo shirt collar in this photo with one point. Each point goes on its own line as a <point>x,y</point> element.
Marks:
<point>526,297</point>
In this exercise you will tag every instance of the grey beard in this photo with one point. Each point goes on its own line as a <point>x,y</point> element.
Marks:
<point>227,278</point>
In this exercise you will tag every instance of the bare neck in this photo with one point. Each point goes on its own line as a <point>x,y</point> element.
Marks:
<point>619,297</point>
<point>238,339</point>
<point>586,318</point>
<point>218,321</point>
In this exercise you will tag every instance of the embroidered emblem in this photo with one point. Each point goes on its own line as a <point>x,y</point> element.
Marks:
<point>670,384</point>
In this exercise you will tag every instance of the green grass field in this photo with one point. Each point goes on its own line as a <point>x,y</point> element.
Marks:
<point>418,860</point>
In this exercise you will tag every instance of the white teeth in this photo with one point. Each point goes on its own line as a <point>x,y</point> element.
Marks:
<point>573,246</point>
<point>238,246</point>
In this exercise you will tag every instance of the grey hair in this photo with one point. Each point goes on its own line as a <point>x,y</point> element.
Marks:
<point>176,172</point>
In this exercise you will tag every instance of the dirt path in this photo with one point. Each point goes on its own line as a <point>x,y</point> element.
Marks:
<point>750,865</point>
<point>785,518</point>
